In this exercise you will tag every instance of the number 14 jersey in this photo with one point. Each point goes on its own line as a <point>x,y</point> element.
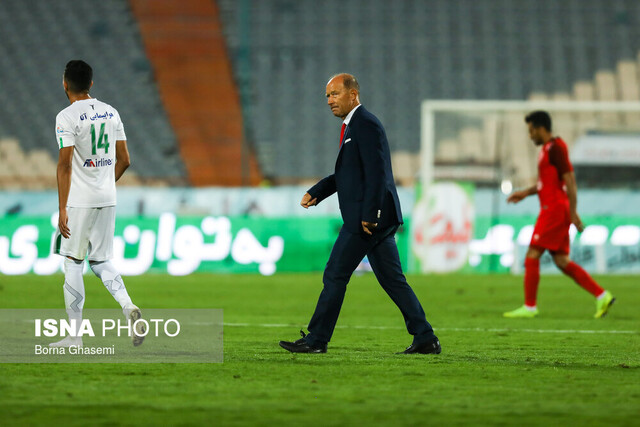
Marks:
<point>93,127</point>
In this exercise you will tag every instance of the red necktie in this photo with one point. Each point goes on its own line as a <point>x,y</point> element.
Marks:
<point>342,133</point>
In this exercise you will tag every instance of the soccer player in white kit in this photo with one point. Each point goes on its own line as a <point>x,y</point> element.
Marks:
<point>93,156</point>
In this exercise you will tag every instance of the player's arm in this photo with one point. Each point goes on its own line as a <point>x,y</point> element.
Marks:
<point>517,196</point>
<point>123,161</point>
<point>572,192</point>
<point>63,174</point>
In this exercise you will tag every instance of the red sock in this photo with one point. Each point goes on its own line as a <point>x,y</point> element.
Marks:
<point>531,280</point>
<point>583,279</point>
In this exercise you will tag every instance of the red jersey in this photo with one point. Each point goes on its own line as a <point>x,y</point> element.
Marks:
<point>553,162</point>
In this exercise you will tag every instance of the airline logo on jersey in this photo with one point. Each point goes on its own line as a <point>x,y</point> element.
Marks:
<point>98,163</point>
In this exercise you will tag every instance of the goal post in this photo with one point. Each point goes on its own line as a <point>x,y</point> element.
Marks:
<point>578,116</point>
<point>484,147</point>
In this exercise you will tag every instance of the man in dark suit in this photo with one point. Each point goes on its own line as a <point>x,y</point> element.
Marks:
<point>371,213</point>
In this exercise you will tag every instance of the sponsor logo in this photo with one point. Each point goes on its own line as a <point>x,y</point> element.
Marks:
<point>59,129</point>
<point>442,228</point>
<point>98,163</point>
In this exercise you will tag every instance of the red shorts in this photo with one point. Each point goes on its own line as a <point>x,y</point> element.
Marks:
<point>552,229</point>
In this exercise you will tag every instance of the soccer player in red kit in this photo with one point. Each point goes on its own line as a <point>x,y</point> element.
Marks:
<point>557,191</point>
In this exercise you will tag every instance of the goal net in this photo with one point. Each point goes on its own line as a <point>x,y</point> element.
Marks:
<point>474,153</point>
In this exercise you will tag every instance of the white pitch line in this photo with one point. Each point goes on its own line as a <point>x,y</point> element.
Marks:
<point>539,331</point>
<point>535,331</point>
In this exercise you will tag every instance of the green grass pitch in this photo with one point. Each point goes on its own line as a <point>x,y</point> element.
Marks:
<point>562,368</point>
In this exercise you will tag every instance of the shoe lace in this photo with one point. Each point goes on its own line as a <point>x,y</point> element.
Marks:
<point>302,334</point>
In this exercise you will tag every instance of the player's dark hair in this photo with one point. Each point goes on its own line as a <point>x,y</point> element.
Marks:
<point>78,75</point>
<point>539,119</point>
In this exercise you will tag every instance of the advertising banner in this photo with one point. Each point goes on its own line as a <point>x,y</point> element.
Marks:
<point>181,245</point>
<point>442,228</point>
<point>451,231</point>
<point>458,242</point>
<point>607,245</point>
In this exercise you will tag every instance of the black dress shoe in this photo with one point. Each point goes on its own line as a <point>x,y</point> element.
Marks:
<point>301,346</point>
<point>432,347</point>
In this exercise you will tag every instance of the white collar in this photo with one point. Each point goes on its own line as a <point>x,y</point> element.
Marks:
<point>348,118</point>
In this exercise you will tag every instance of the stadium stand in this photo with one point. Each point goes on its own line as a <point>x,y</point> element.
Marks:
<point>270,96</point>
<point>38,38</point>
<point>407,51</point>
<point>35,169</point>
<point>184,42</point>
<point>623,85</point>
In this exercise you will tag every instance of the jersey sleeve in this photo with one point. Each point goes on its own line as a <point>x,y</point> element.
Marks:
<point>65,132</point>
<point>120,135</point>
<point>559,157</point>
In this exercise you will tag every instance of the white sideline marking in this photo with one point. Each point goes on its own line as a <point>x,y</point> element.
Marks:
<point>535,331</point>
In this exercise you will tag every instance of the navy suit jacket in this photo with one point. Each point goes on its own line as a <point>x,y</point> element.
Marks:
<point>363,178</point>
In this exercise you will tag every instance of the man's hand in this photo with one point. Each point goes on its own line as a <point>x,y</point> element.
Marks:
<point>307,201</point>
<point>517,196</point>
<point>368,227</point>
<point>63,220</point>
<point>575,220</point>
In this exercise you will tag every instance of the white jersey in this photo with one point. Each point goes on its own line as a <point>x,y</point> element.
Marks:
<point>93,127</point>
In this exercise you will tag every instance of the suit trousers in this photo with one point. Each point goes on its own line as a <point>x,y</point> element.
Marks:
<point>382,251</point>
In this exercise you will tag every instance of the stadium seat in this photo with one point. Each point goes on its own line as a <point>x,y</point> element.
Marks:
<point>405,167</point>
<point>489,139</point>
<point>627,73</point>
<point>9,147</point>
<point>628,81</point>
<point>538,96</point>
<point>584,91</point>
<point>471,144</point>
<point>42,165</point>
<point>606,90</point>
<point>447,151</point>
<point>564,124</point>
